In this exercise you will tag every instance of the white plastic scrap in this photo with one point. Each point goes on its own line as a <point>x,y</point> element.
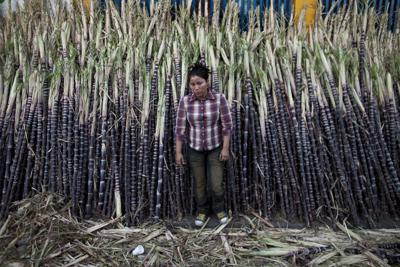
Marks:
<point>139,250</point>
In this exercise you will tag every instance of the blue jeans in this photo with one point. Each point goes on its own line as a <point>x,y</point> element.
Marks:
<point>207,168</point>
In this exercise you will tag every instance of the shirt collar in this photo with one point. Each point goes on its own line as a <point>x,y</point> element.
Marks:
<point>210,95</point>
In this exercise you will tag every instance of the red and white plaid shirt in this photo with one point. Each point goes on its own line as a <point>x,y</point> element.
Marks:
<point>208,120</point>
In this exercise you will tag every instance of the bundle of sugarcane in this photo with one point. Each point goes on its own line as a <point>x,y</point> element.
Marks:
<point>88,106</point>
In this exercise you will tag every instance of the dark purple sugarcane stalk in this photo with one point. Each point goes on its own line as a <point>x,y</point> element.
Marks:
<point>136,159</point>
<point>110,197</point>
<point>175,169</point>
<point>253,173</point>
<point>92,146</point>
<point>368,142</point>
<point>35,57</point>
<point>124,156</point>
<point>52,149</point>
<point>379,145</point>
<point>64,143</point>
<point>394,132</point>
<point>178,68</point>
<point>394,178</point>
<point>74,186</point>
<point>152,127</point>
<point>133,172</point>
<point>91,168</point>
<point>244,180</point>
<point>391,115</point>
<point>9,155</point>
<point>97,151</point>
<point>357,154</point>
<point>168,211</point>
<point>115,170</point>
<point>144,165</point>
<point>83,166</point>
<point>305,145</point>
<point>256,172</point>
<point>40,141</point>
<point>312,118</point>
<point>104,142</point>
<point>24,129</point>
<point>238,143</point>
<point>69,140</point>
<point>288,164</point>
<point>127,154</point>
<point>44,172</point>
<point>159,179</point>
<point>349,162</point>
<point>301,138</point>
<point>170,170</point>
<point>215,80</point>
<point>361,73</point>
<point>267,187</point>
<point>327,124</point>
<point>298,123</point>
<point>31,146</point>
<point>161,155</point>
<point>153,178</point>
<point>272,137</point>
<point>363,145</point>
<point>317,165</point>
<point>261,150</point>
<point>329,168</point>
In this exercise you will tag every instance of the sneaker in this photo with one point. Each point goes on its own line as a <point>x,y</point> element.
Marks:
<point>222,217</point>
<point>200,219</point>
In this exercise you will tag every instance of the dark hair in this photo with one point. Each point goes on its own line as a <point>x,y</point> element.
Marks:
<point>199,70</point>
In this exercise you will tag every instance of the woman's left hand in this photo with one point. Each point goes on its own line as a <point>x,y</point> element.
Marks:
<point>224,156</point>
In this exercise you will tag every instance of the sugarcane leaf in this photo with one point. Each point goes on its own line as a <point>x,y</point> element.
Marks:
<point>273,252</point>
<point>323,258</point>
<point>275,243</point>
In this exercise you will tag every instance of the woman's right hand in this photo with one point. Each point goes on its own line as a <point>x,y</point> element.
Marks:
<point>179,159</point>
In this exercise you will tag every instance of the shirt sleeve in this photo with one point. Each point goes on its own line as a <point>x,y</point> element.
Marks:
<point>226,118</point>
<point>181,120</point>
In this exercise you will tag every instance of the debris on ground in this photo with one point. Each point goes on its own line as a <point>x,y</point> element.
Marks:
<point>41,231</point>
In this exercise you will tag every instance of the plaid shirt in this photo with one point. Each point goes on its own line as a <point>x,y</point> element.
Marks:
<point>208,120</point>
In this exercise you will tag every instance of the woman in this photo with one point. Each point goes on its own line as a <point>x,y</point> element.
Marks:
<point>205,116</point>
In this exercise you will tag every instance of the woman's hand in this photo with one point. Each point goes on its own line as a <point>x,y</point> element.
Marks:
<point>224,156</point>
<point>179,159</point>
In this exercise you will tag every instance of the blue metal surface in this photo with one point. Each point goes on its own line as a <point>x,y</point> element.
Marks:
<point>287,8</point>
<point>381,7</point>
<point>326,6</point>
<point>391,16</point>
<point>242,14</point>
<point>396,12</point>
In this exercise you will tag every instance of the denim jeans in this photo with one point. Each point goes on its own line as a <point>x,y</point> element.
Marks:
<point>207,170</point>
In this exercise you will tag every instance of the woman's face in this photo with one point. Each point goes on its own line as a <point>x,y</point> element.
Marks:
<point>199,86</point>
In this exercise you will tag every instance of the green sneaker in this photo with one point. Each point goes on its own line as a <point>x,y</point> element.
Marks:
<point>200,219</point>
<point>222,217</point>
